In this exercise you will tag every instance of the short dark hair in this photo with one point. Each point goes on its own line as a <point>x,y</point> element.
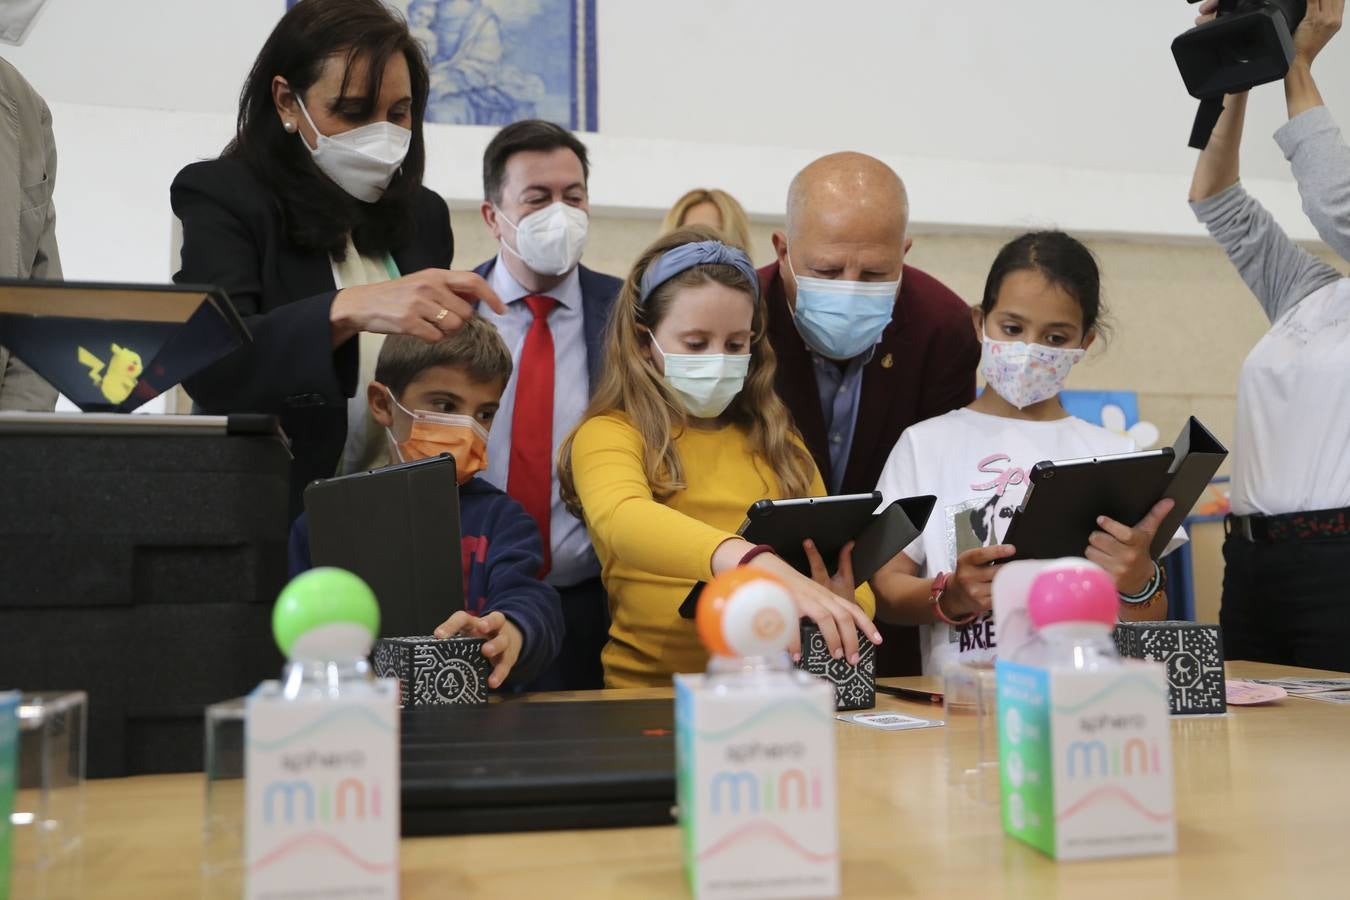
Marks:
<point>318,214</point>
<point>527,134</point>
<point>1064,260</point>
<point>476,347</point>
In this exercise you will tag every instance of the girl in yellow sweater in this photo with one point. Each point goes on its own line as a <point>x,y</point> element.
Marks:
<point>684,433</point>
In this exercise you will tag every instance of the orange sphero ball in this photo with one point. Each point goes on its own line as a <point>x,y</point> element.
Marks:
<point>745,612</point>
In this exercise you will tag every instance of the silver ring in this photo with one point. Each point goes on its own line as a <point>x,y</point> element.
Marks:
<point>441,315</point>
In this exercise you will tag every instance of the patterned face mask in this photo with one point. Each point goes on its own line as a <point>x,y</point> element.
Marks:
<point>1025,374</point>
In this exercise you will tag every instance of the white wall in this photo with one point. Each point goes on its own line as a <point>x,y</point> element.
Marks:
<point>998,114</point>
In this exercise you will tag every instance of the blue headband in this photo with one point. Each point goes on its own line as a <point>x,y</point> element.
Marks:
<point>687,256</point>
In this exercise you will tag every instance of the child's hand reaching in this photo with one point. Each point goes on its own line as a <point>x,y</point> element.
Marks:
<point>503,640</point>
<point>841,582</point>
<point>837,614</point>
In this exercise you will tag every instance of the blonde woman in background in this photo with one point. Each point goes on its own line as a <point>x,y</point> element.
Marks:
<point>715,208</point>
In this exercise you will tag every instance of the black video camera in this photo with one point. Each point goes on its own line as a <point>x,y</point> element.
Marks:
<point>1249,42</point>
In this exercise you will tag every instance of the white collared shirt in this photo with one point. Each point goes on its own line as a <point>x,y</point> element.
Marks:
<point>573,559</point>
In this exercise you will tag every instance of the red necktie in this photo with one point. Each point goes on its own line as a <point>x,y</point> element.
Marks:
<point>530,475</point>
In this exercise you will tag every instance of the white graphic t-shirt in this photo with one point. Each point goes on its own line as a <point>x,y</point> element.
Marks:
<point>979,468</point>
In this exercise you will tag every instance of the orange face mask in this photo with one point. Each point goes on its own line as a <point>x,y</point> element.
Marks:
<point>433,433</point>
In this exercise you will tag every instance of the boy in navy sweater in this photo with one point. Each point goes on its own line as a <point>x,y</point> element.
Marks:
<point>441,398</point>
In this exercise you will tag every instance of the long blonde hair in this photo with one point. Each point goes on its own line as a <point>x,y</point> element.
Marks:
<point>630,384</point>
<point>735,228</point>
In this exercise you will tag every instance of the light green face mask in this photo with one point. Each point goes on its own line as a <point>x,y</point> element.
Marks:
<point>705,382</point>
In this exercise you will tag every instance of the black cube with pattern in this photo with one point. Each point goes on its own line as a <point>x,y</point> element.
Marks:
<point>1193,655</point>
<point>431,671</point>
<point>855,687</point>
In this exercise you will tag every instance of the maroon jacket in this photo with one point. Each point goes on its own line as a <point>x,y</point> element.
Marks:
<point>924,367</point>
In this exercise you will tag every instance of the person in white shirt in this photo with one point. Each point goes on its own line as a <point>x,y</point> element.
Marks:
<point>1041,311</point>
<point>1284,596</point>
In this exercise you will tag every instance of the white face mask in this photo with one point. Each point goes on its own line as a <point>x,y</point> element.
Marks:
<point>705,382</point>
<point>362,161</point>
<point>1025,374</point>
<point>551,240</point>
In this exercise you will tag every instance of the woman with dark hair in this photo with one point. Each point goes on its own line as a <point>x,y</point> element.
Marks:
<point>315,221</point>
<point>1041,310</point>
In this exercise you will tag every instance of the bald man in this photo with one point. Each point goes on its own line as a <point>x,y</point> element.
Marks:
<point>866,345</point>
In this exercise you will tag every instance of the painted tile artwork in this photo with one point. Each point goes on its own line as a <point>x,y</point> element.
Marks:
<point>494,62</point>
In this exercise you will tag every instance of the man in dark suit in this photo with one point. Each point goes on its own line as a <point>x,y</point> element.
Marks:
<point>534,184</point>
<point>866,345</point>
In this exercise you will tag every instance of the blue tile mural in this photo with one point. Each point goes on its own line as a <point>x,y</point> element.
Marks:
<point>496,61</point>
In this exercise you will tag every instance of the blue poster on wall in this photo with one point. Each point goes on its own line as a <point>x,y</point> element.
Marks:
<point>1114,410</point>
<point>494,62</point>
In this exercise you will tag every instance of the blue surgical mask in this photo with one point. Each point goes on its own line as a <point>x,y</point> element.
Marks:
<point>842,319</point>
<point>705,382</point>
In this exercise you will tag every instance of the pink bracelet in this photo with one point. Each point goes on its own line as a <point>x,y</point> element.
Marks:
<point>939,588</point>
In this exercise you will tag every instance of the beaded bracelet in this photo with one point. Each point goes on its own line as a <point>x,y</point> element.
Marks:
<point>1154,585</point>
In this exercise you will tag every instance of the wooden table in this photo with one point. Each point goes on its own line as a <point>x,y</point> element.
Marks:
<point>1263,802</point>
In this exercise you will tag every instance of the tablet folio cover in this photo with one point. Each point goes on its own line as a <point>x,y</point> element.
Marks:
<point>1198,456</point>
<point>398,529</point>
<point>891,530</point>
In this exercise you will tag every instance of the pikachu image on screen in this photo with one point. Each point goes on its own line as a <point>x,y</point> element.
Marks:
<point>118,376</point>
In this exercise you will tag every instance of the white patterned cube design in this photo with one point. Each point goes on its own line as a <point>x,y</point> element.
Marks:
<point>1193,656</point>
<point>855,687</point>
<point>432,671</point>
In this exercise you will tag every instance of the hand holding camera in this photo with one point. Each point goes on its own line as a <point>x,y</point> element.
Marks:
<point>1239,44</point>
<point>1319,25</point>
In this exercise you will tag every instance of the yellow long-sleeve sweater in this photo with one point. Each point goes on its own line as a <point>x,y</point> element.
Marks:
<point>651,552</point>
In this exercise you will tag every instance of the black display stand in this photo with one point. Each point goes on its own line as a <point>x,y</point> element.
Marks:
<point>139,560</point>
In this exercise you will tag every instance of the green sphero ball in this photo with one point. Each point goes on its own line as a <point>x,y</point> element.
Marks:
<point>326,614</point>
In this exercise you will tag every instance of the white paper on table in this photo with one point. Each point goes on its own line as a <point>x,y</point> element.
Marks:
<point>1302,687</point>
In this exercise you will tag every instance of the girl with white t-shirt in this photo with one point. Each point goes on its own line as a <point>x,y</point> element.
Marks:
<point>1041,311</point>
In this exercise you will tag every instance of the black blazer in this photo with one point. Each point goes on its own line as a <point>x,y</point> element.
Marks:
<point>233,237</point>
